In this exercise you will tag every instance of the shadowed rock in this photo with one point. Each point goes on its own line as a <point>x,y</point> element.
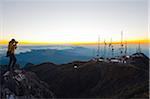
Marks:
<point>22,84</point>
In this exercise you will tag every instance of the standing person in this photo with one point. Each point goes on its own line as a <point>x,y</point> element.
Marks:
<point>11,54</point>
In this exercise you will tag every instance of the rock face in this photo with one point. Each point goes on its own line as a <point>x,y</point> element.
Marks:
<point>96,79</point>
<point>22,84</point>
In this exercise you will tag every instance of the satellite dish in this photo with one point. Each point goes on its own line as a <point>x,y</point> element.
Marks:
<point>75,67</point>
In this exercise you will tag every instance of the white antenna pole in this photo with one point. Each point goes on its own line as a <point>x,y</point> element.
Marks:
<point>110,44</point>
<point>121,49</point>
<point>126,48</point>
<point>112,49</point>
<point>121,37</point>
<point>105,49</point>
<point>139,48</point>
<point>98,50</point>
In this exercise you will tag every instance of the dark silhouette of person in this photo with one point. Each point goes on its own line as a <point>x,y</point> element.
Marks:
<point>11,54</point>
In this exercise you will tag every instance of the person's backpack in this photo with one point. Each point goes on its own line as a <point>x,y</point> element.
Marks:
<point>8,54</point>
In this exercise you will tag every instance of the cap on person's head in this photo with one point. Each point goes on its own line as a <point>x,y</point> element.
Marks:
<point>12,39</point>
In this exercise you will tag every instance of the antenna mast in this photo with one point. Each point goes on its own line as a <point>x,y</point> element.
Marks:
<point>121,49</point>
<point>98,50</point>
<point>126,48</point>
<point>110,44</point>
<point>139,48</point>
<point>112,49</point>
<point>105,44</point>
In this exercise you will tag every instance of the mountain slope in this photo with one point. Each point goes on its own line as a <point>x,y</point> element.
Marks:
<point>95,79</point>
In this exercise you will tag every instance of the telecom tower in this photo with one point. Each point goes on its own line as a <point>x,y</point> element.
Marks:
<point>98,50</point>
<point>121,49</point>
<point>126,48</point>
<point>110,49</point>
<point>105,50</point>
<point>139,48</point>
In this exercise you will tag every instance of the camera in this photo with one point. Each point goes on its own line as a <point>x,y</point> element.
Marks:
<point>16,42</point>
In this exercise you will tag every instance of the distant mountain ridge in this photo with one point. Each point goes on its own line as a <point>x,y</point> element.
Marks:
<point>58,54</point>
<point>53,55</point>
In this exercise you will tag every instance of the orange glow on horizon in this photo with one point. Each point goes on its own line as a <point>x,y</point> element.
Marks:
<point>5,42</point>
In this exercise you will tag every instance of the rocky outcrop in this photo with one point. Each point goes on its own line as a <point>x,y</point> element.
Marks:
<point>22,84</point>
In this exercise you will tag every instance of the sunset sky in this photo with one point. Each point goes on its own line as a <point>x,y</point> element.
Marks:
<point>73,21</point>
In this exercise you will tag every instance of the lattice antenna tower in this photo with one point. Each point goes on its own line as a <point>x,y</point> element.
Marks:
<point>121,49</point>
<point>139,48</point>
<point>126,48</point>
<point>105,45</point>
<point>98,47</point>
<point>112,50</point>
